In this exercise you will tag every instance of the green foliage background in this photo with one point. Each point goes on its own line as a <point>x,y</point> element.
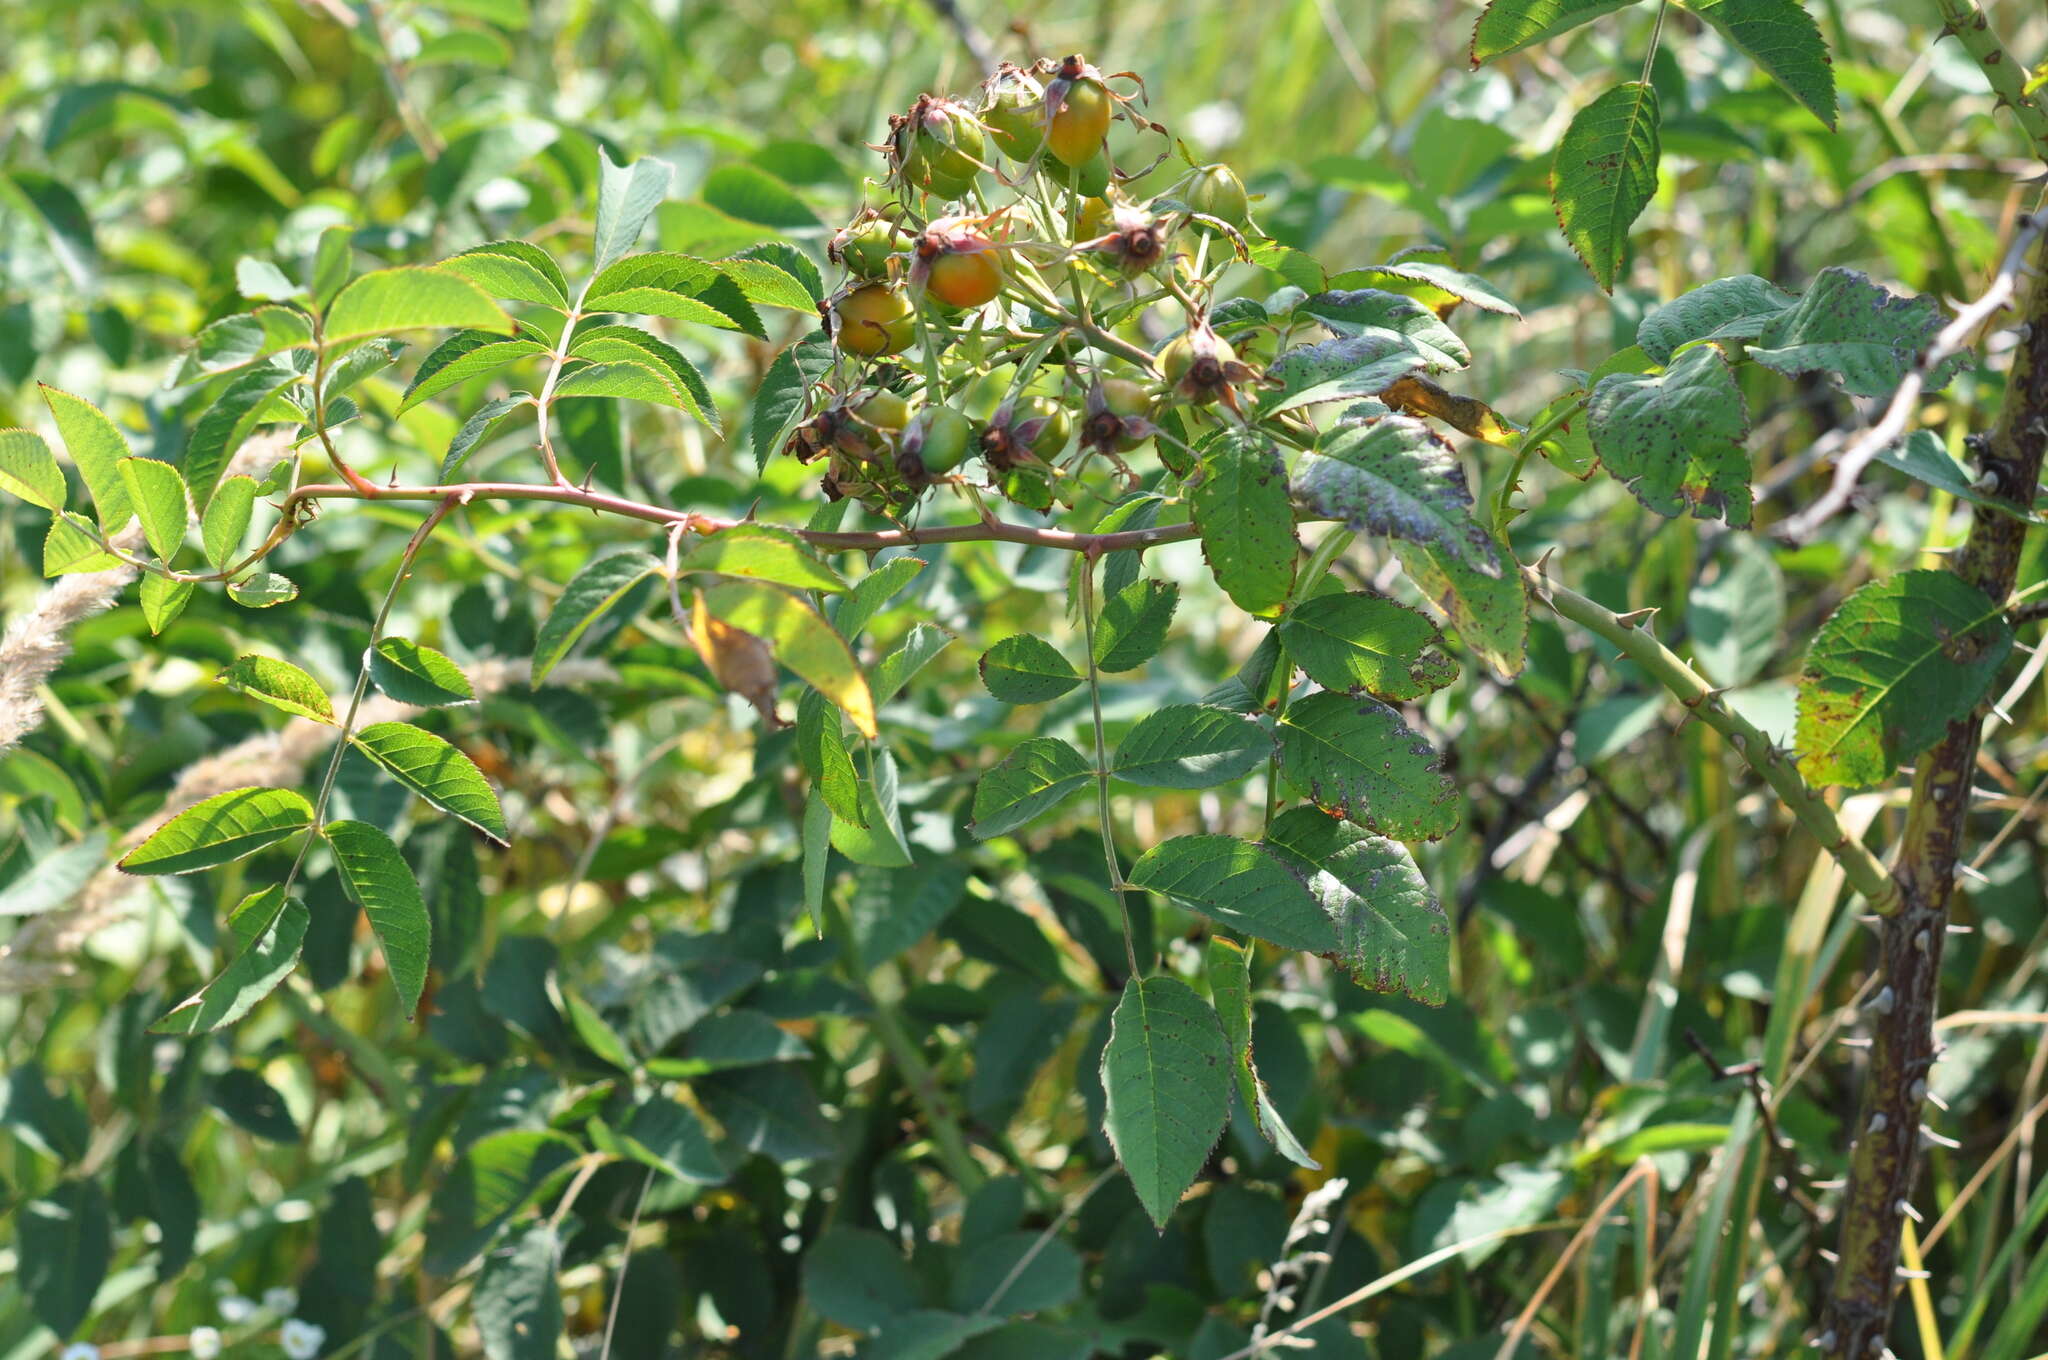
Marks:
<point>1617,882</point>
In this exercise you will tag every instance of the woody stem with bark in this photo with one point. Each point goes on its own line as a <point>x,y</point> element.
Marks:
<point>1886,1156</point>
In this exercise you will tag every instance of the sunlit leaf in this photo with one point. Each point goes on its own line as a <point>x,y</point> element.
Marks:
<point>411,298</point>
<point>279,684</point>
<point>1675,439</point>
<point>97,446</point>
<point>434,769</point>
<point>219,829</point>
<point>268,930</point>
<point>801,639</point>
<point>1899,661</point>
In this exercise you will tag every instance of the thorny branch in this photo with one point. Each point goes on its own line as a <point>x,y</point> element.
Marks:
<point>1885,1159</point>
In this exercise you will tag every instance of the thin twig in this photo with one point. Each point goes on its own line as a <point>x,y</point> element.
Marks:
<point>1891,427</point>
<point>831,540</point>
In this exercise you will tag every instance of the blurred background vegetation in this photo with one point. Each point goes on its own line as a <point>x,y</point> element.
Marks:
<point>1614,887</point>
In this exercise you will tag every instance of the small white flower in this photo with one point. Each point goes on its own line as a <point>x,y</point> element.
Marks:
<point>280,1299</point>
<point>301,1339</point>
<point>81,1350</point>
<point>234,1308</point>
<point>204,1343</point>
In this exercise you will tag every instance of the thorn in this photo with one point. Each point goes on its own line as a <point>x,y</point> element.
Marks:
<point>1906,1274</point>
<point>1920,941</point>
<point>1832,1259</point>
<point>1636,618</point>
<point>1850,1041</point>
<point>1974,875</point>
<point>1878,1123</point>
<point>1962,930</point>
<point>1909,1211</point>
<point>1830,1185</point>
<point>1917,1092</point>
<point>1937,1102</point>
<point>1885,1000</point>
<point>1930,1136</point>
<point>1826,1340</point>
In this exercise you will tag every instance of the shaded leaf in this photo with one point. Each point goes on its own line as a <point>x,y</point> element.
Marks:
<point>1187,746</point>
<point>1782,38</point>
<point>1230,987</point>
<point>779,404</point>
<point>517,1303</point>
<point>413,674</point>
<point>1605,174</point>
<point>237,341</point>
<point>1165,1076</point>
<point>1133,624</point>
<point>1240,885</point>
<point>626,197</point>
<point>1392,933</point>
<point>1395,476</point>
<point>64,1245</point>
<point>249,401</point>
<point>1675,439</point>
<point>268,929</point>
<point>600,586</point>
<point>378,880</point>
<point>1027,783</point>
<point>1026,669</point>
<point>1510,25</point>
<point>1361,642</point>
<point>1357,759</point>
<point>478,428</point>
<point>462,356</point>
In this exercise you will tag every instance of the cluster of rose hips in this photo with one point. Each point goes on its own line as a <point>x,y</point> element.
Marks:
<point>1025,313</point>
